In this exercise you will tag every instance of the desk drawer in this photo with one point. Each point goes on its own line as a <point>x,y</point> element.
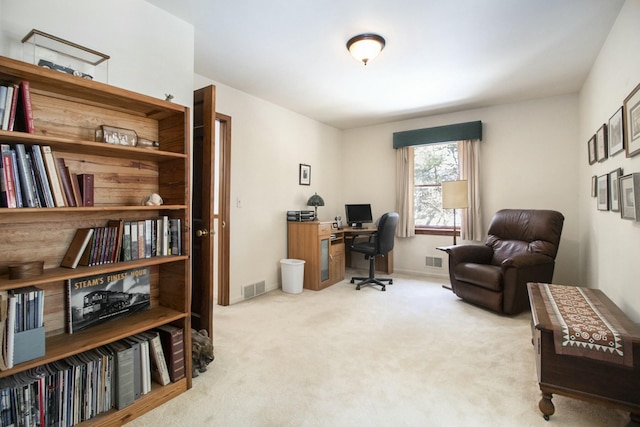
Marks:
<point>324,228</point>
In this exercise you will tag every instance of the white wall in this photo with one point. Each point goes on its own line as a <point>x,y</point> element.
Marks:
<point>610,250</point>
<point>267,145</point>
<point>527,160</point>
<point>151,51</point>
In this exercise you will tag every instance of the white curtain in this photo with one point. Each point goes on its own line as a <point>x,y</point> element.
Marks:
<point>404,192</point>
<point>469,156</point>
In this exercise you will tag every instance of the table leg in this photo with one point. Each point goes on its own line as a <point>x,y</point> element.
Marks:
<point>546,405</point>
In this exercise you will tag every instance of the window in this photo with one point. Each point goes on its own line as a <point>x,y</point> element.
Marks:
<point>433,164</point>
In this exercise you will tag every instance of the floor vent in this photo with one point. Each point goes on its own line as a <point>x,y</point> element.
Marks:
<point>432,261</point>
<point>254,289</point>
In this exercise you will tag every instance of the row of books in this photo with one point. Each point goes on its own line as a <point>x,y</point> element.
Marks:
<point>21,311</point>
<point>16,112</point>
<point>78,388</point>
<point>122,240</point>
<point>34,177</point>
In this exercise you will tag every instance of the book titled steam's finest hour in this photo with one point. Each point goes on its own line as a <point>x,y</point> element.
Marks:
<point>96,299</point>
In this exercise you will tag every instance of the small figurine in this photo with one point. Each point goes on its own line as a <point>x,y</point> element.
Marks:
<point>168,97</point>
<point>154,200</point>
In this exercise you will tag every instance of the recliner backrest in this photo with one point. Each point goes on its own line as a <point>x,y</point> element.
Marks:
<point>520,231</point>
<point>386,232</point>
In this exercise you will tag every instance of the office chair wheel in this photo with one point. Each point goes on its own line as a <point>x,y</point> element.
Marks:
<point>384,288</point>
<point>357,287</point>
<point>391,282</point>
<point>353,281</point>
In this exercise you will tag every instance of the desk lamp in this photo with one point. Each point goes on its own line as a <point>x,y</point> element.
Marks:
<point>315,201</point>
<point>455,196</point>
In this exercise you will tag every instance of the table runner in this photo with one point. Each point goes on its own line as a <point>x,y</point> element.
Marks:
<point>582,326</point>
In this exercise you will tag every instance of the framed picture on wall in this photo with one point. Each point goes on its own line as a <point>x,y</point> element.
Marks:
<point>594,186</point>
<point>629,204</point>
<point>591,148</point>
<point>615,133</point>
<point>305,174</point>
<point>601,143</point>
<point>632,122</point>
<point>614,190</point>
<point>603,192</point>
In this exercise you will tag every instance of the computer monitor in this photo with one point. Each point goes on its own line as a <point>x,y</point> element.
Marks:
<point>358,214</point>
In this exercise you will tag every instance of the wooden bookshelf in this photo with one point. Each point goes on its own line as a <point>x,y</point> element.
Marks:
<point>67,111</point>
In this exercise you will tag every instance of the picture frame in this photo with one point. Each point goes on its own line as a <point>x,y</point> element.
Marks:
<point>632,122</point>
<point>615,133</point>
<point>614,190</point>
<point>601,143</point>
<point>305,174</point>
<point>629,203</point>
<point>594,186</point>
<point>603,192</point>
<point>591,148</point>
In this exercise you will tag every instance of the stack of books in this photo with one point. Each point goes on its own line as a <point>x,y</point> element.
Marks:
<point>21,326</point>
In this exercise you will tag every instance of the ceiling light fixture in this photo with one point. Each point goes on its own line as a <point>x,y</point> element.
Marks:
<point>365,47</point>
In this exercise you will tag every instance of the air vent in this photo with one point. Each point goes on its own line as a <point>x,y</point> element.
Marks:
<point>254,289</point>
<point>432,261</point>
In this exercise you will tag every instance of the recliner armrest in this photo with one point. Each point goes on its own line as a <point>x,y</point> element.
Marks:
<point>477,254</point>
<point>527,260</point>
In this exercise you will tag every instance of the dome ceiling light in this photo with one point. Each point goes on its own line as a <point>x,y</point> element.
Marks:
<point>365,47</point>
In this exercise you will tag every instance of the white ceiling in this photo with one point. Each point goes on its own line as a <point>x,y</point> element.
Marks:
<point>441,55</point>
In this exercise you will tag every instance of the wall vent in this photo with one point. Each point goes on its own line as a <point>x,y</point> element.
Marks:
<point>254,289</point>
<point>432,261</point>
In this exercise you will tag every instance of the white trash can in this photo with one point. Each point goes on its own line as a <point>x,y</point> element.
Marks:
<point>292,275</point>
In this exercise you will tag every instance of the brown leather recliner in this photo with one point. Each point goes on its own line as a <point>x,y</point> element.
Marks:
<point>521,247</point>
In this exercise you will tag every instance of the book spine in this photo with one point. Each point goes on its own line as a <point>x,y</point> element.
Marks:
<point>37,188</point>
<point>75,188</point>
<point>25,94</point>
<point>124,378</point>
<point>16,178</point>
<point>26,182</point>
<point>173,346</point>
<point>3,100</point>
<point>7,106</point>
<point>54,180</point>
<point>85,181</point>
<point>141,240</point>
<point>134,240</point>
<point>148,238</point>
<point>159,362</point>
<point>7,170</point>
<point>42,174</point>
<point>65,180</point>
<point>126,241</point>
<point>14,106</point>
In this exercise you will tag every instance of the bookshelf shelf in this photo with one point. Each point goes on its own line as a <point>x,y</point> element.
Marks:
<point>67,110</point>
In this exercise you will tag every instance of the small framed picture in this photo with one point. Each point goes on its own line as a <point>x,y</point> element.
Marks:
<point>594,186</point>
<point>632,122</point>
<point>615,133</point>
<point>305,174</point>
<point>614,190</point>
<point>601,143</point>
<point>603,192</point>
<point>593,155</point>
<point>629,206</point>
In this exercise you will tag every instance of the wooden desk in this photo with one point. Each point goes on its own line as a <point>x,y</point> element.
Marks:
<point>606,383</point>
<point>325,251</point>
<point>383,264</point>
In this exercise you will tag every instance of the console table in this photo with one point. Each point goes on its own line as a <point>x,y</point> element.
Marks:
<point>608,382</point>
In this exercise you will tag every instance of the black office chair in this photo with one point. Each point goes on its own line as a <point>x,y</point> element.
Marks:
<point>379,243</point>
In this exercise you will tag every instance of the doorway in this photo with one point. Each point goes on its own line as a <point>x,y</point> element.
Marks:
<point>210,209</point>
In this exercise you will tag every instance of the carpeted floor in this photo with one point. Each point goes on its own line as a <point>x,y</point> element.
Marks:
<point>414,355</point>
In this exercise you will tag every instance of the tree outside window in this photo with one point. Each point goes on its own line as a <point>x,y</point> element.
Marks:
<point>433,164</point>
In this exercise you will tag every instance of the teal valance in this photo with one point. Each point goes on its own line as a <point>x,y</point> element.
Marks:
<point>455,132</point>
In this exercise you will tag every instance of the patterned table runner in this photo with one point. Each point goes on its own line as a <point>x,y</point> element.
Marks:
<point>582,326</point>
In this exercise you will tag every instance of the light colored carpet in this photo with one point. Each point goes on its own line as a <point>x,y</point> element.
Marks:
<point>415,355</point>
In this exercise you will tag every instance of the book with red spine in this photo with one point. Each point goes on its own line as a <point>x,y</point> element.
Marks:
<point>14,106</point>
<point>8,175</point>
<point>24,111</point>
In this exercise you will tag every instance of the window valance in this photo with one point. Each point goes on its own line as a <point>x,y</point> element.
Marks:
<point>455,132</point>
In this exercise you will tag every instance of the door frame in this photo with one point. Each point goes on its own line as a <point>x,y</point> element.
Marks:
<point>224,216</point>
